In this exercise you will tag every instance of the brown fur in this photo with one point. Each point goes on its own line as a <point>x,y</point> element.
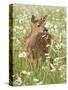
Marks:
<point>36,40</point>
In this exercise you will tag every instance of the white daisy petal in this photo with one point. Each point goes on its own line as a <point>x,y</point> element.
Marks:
<point>53,70</point>
<point>18,81</point>
<point>23,54</point>
<point>26,73</point>
<point>35,79</point>
<point>46,54</point>
<point>48,57</point>
<point>48,45</point>
<point>52,66</point>
<point>29,73</point>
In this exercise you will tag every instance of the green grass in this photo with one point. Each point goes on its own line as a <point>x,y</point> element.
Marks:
<point>23,73</point>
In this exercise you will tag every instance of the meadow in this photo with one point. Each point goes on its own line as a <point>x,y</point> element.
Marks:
<point>23,74</point>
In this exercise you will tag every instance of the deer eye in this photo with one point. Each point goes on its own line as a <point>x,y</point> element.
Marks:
<point>38,25</point>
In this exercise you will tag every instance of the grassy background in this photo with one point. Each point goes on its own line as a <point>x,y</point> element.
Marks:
<point>23,74</point>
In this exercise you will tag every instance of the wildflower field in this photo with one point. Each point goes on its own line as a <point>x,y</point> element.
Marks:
<point>22,73</point>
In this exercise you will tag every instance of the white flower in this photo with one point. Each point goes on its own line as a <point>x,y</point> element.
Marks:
<point>57,10</point>
<point>60,36</point>
<point>62,68</point>
<point>23,54</point>
<point>20,28</point>
<point>26,73</point>
<point>16,20</point>
<point>46,54</point>
<point>39,83</point>
<point>56,59</point>
<point>43,68</point>
<point>14,37</point>
<point>51,25</point>
<point>57,19</point>
<point>62,58</point>
<point>62,75</point>
<point>55,26</point>
<point>13,76</point>
<point>47,24</point>
<point>20,21</point>
<point>47,61</point>
<point>53,18</point>
<point>17,27</point>
<point>35,79</point>
<point>58,46</point>
<point>52,29</point>
<point>63,45</point>
<point>53,70</point>
<point>48,45</point>
<point>18,81</point>
<point>14,29</point>
<point>19,16</point>
<point>48,57</point>
<point>17,41</point>
<point>24,31</point>
<point>52,66</point>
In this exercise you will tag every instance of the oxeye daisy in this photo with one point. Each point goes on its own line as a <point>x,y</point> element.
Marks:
<point>23,54</point>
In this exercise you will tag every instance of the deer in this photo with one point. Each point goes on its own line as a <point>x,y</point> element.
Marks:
<point>38,41</point>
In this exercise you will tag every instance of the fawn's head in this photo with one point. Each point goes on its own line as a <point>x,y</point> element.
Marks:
<point>42,21</point>
<point>38,23</point>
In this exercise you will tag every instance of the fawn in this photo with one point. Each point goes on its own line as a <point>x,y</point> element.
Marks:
<point>38,41</point>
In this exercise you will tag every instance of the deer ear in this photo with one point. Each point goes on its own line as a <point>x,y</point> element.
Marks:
<point>33,18</point>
